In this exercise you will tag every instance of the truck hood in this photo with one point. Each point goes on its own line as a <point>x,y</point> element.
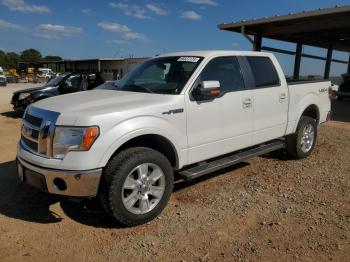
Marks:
<point>92,104</point>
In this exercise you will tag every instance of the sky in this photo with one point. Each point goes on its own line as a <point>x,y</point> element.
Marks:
<point>89,29</point>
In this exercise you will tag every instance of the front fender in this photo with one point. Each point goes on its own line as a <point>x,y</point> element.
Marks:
<point>146,125</point>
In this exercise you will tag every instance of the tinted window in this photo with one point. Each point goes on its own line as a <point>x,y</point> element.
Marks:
<point>71,84</point>
<point>226,70</point>
<point>164,75</point>
<point>264,71</point>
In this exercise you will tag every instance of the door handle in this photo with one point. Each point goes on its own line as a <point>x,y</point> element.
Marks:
<point>282,97</point>
<point>247,103</point>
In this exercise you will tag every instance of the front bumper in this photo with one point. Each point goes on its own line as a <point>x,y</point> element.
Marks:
<point>60,182</point>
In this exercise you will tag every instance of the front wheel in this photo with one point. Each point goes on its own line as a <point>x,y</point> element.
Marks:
<point>138,185</point>
<point>301,144</point>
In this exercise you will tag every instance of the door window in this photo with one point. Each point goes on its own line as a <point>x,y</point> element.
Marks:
<point>264,72</point>
<point>227,71</point>
<point>72,84</point>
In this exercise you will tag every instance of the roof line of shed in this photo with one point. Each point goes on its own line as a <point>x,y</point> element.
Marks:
<point>290,16</point>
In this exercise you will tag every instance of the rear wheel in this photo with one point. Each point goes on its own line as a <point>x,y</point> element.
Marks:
<point>302,142</point>
<point>137,186</point>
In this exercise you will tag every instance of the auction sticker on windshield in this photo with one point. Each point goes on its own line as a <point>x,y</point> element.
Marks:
<point>188,59</point>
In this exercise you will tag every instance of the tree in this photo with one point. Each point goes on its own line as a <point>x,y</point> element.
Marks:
<point>28,56</point>
<point>52,58</point>
<point>2,58</point>
<point>31,56</point>
<point>11,60</point>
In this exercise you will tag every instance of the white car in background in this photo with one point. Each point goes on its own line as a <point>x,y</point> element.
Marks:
<point>45,73</point>
<point>3,81</point>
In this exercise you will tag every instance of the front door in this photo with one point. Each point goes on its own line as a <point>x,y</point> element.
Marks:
<point>225,123</point>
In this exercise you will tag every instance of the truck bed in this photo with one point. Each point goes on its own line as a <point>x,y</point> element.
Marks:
<point>304,94</point>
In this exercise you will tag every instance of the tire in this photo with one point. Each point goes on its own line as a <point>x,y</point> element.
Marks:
<point>127,192</point>
<point>294,146</point>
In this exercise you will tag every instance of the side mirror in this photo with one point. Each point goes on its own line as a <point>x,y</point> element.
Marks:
<point>207,90</point>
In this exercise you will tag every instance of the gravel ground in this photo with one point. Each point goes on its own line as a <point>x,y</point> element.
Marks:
<point>270,208</point>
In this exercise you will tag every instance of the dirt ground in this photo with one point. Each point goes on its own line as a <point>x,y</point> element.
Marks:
<point>269,208</point>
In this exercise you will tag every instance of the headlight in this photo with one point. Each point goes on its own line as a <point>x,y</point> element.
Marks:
<point>68,139</point>
<point>23,96</point>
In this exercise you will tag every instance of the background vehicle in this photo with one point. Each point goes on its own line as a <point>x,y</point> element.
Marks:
<point>63,84</point>
<point>3,81</point>
<point>186,113</point>
<point>45,74</point>
<point>344,88</point>
<point>12,76</point>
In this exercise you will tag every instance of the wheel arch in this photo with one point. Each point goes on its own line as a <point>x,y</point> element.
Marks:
<point>154,141</point>
<point>313,112</point>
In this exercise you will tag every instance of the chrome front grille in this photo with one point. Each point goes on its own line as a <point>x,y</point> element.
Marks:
<point>37,131</point>
<point>33,120</point>
<point>30,135</point>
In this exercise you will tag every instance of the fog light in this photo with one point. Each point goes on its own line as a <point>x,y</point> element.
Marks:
<point>60,184</point>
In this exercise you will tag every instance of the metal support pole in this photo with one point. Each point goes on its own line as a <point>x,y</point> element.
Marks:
<point>349,66</point>
<point>327,68</point>
<point>257,43</point>
<point>297,62</point>
<point>99,66</point>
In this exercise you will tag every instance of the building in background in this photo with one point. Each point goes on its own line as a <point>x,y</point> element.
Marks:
<point>110,68</point>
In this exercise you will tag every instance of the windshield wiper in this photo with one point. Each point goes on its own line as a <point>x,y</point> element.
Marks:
<point>133,86</point>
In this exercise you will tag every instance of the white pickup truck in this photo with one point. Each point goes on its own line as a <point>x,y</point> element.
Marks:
<point>187,114</point>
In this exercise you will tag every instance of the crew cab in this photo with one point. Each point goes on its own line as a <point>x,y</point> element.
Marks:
<point>65,83</point>
<point>184,114</point>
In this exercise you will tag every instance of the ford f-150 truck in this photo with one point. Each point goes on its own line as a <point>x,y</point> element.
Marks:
<point>187,114</point>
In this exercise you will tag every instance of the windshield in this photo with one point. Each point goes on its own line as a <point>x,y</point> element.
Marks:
<point>165,75</point>
<point>57,80</point>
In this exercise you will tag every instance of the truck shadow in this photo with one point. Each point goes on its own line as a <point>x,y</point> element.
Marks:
<point>280,155</point>
<point>20,201</point>
<point>181,184</point>
<point>90,212</point>
<point>23,202</point>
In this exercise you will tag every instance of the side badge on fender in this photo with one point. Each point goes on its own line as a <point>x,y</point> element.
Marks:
<point>174,111</point>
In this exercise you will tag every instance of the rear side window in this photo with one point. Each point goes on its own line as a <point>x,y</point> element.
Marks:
<point>226,70</point>
<point>264,72</point>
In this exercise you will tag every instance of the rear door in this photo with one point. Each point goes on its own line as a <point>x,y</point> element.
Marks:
<point>224,124</point>
<point>270,99</point>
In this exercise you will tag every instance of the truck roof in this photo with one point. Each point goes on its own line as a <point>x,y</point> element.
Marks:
<point>208,53</point>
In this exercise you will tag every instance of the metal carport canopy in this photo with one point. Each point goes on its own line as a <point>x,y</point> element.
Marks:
<point>326,28</point>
